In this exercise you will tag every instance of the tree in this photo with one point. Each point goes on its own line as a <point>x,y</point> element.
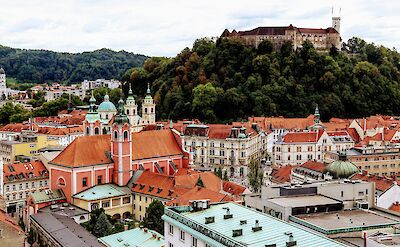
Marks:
<point>265,47</point>
<point>226,178</point>
<point>153,219</point>
<point>255,176</point>
<point>102,227</point>
<point>204,99</point>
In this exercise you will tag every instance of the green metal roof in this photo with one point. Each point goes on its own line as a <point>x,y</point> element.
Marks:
<point>274,231</point>
<point>92,117</point>
<point>134,237</point>
<point>102,191</point>
<point>107,105</point>
<point>48,195</point>
<point>342,169</point>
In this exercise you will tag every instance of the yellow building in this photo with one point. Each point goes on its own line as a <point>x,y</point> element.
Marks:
<point>380,161</point>
<point>28,144</point>
<point>116,201</point>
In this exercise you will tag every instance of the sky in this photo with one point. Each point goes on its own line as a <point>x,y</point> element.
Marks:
<point>165,27</point>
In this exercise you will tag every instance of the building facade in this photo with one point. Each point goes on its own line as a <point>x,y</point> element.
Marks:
<point>322,39</point>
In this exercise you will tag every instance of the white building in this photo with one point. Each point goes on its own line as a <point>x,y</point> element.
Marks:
<point>89,85</point>
<point>232,225</point>
<point>231,147</point>
<point>5,92</point>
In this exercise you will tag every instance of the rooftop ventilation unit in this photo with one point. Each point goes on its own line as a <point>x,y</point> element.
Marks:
<point>228,214</point>
<point>237,232</point>
<point>291,242</point>
<point>270,245</point>
<point>210,219</point>
<point>256,227</point>
<point>243,222</point>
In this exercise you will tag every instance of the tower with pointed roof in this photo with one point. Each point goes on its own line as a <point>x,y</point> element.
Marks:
<point>3,85</point>
<point>148,108</point>
<point>121,147</point>
<point>131,109</point>
<point>92,124</point>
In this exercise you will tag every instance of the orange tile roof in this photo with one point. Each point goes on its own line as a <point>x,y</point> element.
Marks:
<point>302,136</point>
<point>200,193</point>
<point>59,131</point>
<point>26,170</point>
<point>283,123</point>
<point>282,174</point>
<point>154,143</point>
<point>171,187</point>
<point>395,207</point>
<point>354,134</point>
<point>381,183</point>
<point>17,127</point>
<point>85,150</point>
<point>314,166</point>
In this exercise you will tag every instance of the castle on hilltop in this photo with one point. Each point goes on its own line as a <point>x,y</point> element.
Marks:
<point>322,39</point>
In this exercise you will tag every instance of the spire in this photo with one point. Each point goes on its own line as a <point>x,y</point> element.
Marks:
<point>92,102</point>
<point>171,125</point>
<point>316,115</point>
<point>148,89</point>
<point>121,117</point>
<point>130,90</point>
<point>69,103</point>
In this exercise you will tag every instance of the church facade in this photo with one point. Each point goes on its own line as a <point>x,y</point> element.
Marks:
<point>112,158</point>
<point>322,39</point>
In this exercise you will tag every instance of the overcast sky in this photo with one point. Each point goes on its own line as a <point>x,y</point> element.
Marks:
<point>165,27</point>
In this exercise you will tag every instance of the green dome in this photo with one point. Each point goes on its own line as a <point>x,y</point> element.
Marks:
<point>107,105</point>
<point>342,169</point>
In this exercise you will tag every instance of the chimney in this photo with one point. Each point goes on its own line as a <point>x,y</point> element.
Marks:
<point>228,214</point>
<point>125,227</point>
<point>291,242</point>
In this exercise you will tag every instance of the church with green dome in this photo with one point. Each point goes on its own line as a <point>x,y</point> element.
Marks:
<point>99,121</point>
<point>342,168</point>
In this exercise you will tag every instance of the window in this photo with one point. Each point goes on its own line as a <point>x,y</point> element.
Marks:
<point>171,229</point>
<point>126,200</point>
<point>33,185</point>
<point>170,245</point>
<point>182,236</point>
<point>26,185</point>
<point>40,183</point>
<point>96,131</point>
<point>125,134</point>
<point>94,206</point>
<point>106,204</point>
<point>20,186</point>
<point>14,187</point>
<point>99,179</point>
<point>115,135</point>
<point>61,181</point>
<point>341,193</point>
<point>84,182</point>
<point>194,242</point>
<point>298,149</point>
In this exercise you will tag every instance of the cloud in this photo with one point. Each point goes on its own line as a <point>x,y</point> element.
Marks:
<point>164,28</point>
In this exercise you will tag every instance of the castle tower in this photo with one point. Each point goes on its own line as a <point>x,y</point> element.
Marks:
<point>336,21</point>
<point>3,85</point>
<point>92,124</point>
<point>148,108</point>
<point>131,108</point>
<point>121,147</point>
<point>317,117</point>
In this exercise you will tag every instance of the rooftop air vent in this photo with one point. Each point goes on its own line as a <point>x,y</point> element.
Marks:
<point>256,227</point>
<point>270,245</point>
<point>228,214</point>
<point>210,219</point>
<point>291,242</point>
<point>243,222</point>
<point>119,239</point>
<point>237,232</point>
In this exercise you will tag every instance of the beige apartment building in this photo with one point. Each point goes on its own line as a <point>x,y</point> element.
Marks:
<point>382,161</point>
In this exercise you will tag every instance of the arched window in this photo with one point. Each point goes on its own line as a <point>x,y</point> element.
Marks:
<point>87,130</point>
<point>115,134</point>
<point>125,134</point>
<point>104,131</point>
<point>152,110</point>
<point>127,111</point>
<point>145,110</point>
<point>96,131</point>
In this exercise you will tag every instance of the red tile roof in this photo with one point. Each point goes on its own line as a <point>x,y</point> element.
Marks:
<point>154,143</point>
<point>9,221</point>
<point>354,134</point>
<point>283,123</point>
<point>59,131</point>
<point>395,207</point>
<point>84,151</point>
<point>381,183</point>
<point>281,174</point>
<point>302,136</point>
<point>185,187</point>
<point>314,166</point>
<point>17,127</point>
<point>26,170</point>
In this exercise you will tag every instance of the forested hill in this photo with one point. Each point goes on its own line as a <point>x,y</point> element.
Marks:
<point>39,66</point>
<point>225,80</point>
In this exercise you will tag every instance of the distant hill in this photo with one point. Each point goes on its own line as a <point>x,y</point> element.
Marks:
<point>37,66</point>
<point>225,80</point>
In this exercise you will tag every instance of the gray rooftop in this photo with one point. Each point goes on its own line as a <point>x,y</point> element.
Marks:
<point>64,209</point>
<point>65,231</point>
<point>303,201</point>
